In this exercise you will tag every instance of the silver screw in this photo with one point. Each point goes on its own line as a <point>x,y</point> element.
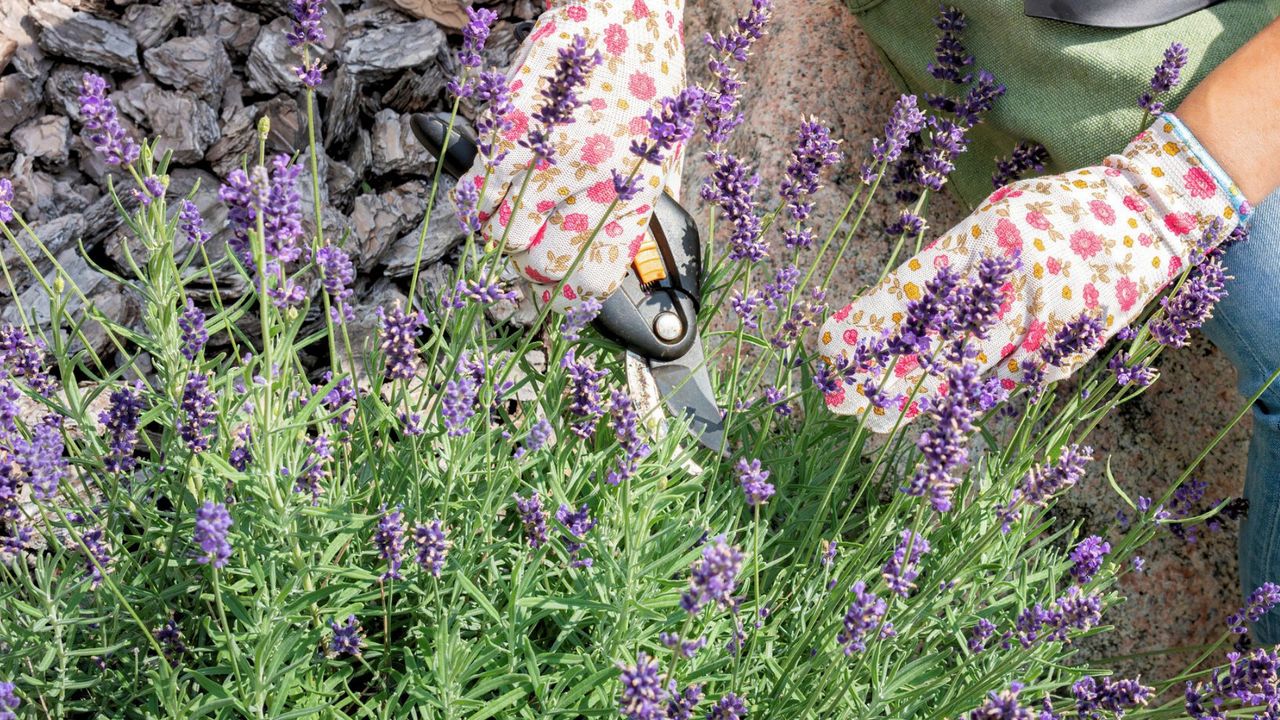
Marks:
<point>668,326</point>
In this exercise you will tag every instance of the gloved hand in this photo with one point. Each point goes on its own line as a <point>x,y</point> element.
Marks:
<point>641,43</point>
<point>1094,243</point>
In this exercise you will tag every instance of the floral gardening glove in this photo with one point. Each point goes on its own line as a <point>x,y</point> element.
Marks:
<point>641,62</point>
<point>1068,260</point>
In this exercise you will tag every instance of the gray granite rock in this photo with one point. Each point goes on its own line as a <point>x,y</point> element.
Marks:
<point>151,24</point>
<point>197,64</point>
<point>46,138</point>
<point>236,29</point>
<point>395,149</point>
<point>383,51</point>
<point>88,39</point>
<point>19,101</point>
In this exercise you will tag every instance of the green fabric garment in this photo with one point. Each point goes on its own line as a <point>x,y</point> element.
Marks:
<point>1071,88</point>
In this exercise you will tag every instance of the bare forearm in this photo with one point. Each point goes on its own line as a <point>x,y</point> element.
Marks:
<point>1235,113</point>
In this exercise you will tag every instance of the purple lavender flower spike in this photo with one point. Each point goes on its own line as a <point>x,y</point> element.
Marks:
<point>309,479</point>
<point>731,187</point>
<point>584,392</point>
<point>746,308</point>
<point>980,634</point>
<point>686,648</point>
<point>1192,305</point>
<point>14,545</point>
<point>978,100</point>
<point>389,541</point>
<point>466,198</point>
<point>907,120</point>
<point>41,458</point>
<point>945,445</point>
<point>721,115</point>
<point>474,35</point>
<point>1086,558</point>
<point>533,518</point>
<point>814,151</point>
<point>1073,338</point>
<point>348,637</point>
<point>492,94</point>
<point>1026,157</point>
<point>578,317</point>
<point>1096,696</point>
<point>681,707</point>
<point>560,97</point>
<point>99,560</point>
<point>903,568</point>
<point>671,125</point>
<point>537,438</point>
<point>213,522</point>
<point>1168,74</point>
<point>1002,706</point>
<point>865,614</point>
<point>713,577</point>
<point>24,357</point>
<point>729,707</point>
<point>109,138</point>
<point>169,636</point>
<point>432,543</point>
<point>626,427</point>
<point>754,482</point>
<point>9,701</point>
<point>1126,374</point>
<point>578,523</point>
<point>337,272</point>
<point>120,420</point>
<point>397,333</point>
<point>306,16</point>
<point>644,694</point>
<point>1260,602</point>
<point>199,415</point>
<point>6,201</point>
<point>194,335</point>
<point>458,404</point>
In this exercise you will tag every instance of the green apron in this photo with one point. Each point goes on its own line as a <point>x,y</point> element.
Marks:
<point>1073,89</point>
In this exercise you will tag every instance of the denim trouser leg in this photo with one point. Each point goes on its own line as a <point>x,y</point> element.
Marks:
<point>1246,328</point>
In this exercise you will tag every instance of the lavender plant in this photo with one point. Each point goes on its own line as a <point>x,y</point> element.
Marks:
<point>238,534</point>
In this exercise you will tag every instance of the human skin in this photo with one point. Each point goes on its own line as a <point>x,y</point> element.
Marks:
<point>1235,112</point>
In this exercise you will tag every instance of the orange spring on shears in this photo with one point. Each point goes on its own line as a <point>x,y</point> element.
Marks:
<point>648,263</point>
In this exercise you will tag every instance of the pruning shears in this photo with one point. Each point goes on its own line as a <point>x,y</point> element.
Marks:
<point>653,314</point>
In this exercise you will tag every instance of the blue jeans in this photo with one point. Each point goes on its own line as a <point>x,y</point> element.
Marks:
<point>1246,328</point>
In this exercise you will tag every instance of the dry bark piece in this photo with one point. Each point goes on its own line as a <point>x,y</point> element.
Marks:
<point>233,27</point>
<point>381,52</point>
<point>19,102</point>
<point>151,24</point>
<point>449,13</point>
<point>89,40</point>
<point>46,138</point>
<point>197,64</point>
<point>395,149</point>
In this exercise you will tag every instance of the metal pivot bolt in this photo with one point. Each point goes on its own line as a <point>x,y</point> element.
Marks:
<point>668,326</point>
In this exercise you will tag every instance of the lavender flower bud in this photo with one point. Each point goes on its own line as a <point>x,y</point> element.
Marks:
<point>560,97</point>
<point>644,696</point>
<point>397,333</point>
<point>1087,558</point>
<point>1094,696</point>
<point>432,543</point>
<point>533,519</point>
<point>199,415</point>
<point>6,201</point>
<point>814,151</point>
<point>389,541</point>
<point>1260,602</point>
<point>9,701</point>
<point>732,186</point>
<point>729,707</point>
<point>1192,305</point>
<point>313,472</point>
<point>1002,706</point>
<point>306,16</point>
<point>753,480</point>
<point>578,523</point>
<point>1168,74</point>
<point>1026,157</point>
<point>120,420</point>
<point>212,525</point>
<point>337,272</point>
<point>99,560</point>
<point>670,126</point>
<point>626,427</point>
<point>194,335</point>
<point>903,567</point>
<point>905,121</point>
<point>577,318</point>
<point>348,638</point>
<point>584,392</point>
<point>109,138</point>
<point>865,614</point>
<point>713,577</point>
<point>980,634</point>
<point>41,458</point>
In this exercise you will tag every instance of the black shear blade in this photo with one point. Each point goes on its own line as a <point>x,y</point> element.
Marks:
<point>685,386</point>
